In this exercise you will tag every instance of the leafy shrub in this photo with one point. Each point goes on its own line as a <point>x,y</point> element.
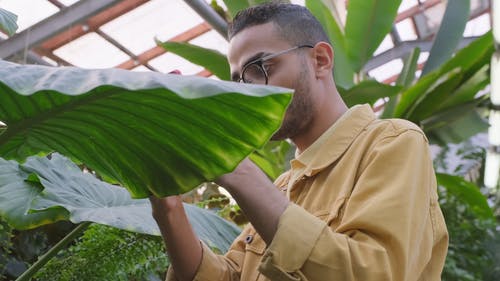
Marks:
<point>107,253</point>
<point>471,253</point>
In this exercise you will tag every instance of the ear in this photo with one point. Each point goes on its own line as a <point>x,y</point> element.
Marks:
<point>323,59</point>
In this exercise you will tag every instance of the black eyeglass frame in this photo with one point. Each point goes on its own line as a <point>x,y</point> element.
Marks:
<point>259,62</point>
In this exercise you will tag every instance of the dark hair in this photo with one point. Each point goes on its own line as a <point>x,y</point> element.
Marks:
<point>294,23</point>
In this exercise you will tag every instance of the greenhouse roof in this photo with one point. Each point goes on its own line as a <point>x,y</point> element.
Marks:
<point>123,33</point>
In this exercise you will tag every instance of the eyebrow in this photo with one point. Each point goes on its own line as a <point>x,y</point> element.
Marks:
<point>236,75</point>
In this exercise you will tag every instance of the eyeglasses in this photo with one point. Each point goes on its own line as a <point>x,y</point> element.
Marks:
<point>254,72</point>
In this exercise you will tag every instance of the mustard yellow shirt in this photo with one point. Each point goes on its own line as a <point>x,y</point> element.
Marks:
<point>364,207</point>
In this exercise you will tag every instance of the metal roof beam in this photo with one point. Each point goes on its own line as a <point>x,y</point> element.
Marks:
<point>209,15</point>
<point>405,48</point>
<point>52,25</point>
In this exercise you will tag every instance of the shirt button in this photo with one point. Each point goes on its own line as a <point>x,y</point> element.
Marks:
<point>249,239</point>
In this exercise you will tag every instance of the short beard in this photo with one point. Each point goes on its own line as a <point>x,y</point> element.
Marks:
<point>299,113</point>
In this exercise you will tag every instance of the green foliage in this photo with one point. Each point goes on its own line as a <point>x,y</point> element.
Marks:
<point>106,253</point>
<point>17,195</point>
<point>212,60</point>
<point>367,23</point>
<point>63,184</point>
<point>368,91</point>
<point>449,35</point>
<point>5,246</point>
<point>272,158</point>
<point>472,239</point>
<point>154,133</point>
<point>343,71</point>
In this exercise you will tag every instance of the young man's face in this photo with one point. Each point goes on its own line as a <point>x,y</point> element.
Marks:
<point>289,70</point>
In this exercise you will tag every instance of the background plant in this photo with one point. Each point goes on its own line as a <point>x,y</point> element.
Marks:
<point>107,253</point>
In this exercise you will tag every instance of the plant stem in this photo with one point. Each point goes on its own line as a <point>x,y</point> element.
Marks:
<point>53,252</point>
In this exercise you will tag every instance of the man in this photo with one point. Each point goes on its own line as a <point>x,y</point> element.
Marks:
<point>359,202</point>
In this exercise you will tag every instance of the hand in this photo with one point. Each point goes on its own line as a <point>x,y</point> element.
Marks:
<point>257,196</point>
<point>162,206</point>
<point>245,172</point>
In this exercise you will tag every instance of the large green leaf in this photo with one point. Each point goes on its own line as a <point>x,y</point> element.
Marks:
<point>367,23</point>
<point>468,61</point>
<point>455,124</point>
<point>154,133</point>
<point>432,99</point>
<point>272,158</point>
<point>343,73</point>
<point>212,60</point>
<point>449,34</point>
<point>468,193</point>
<point>367,92</point>
<point>469,88</point>
<point>16,195</point>
<point>88,199</point>
<point>8,22</point>
<point>473,57</point>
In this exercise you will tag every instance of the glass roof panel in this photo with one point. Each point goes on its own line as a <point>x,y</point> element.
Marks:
<point>91,51</point>
<point>406,30</point>
<point>160,19</point>
<point>478,26</point>
<point>212,40</point>
<point>423,57</point>
<point>407,4</point>
<point>387,70</point>
<point>385,45</point>
<point>29,12</point>
<point>68,2</point>
<point>141,68</point>
<point>169,62</point>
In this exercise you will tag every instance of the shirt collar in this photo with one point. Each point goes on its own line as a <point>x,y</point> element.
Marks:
<point>334,141</point>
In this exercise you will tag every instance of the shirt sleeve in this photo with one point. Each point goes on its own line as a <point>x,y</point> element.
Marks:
<point>227,267</point>
<point>385,232</point>
<point>218,267</point>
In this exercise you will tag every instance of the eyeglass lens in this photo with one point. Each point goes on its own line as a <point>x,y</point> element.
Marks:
<point>254,74</point>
